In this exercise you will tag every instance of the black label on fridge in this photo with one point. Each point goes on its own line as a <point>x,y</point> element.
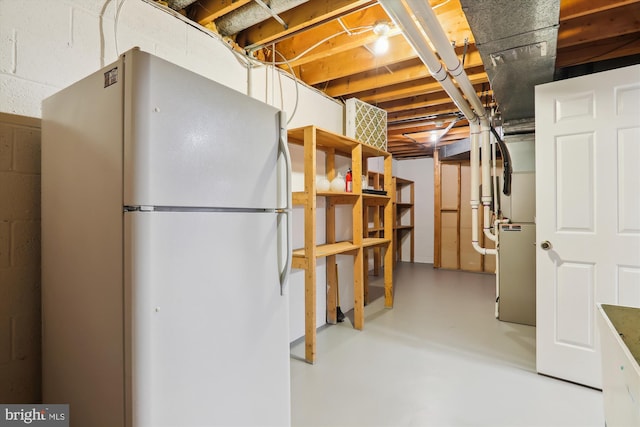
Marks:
<point>111,77</point>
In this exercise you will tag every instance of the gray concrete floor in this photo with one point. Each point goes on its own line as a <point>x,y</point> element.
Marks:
<point>438,358</point>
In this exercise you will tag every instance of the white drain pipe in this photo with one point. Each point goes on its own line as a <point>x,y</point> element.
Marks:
<point>478,120</point>
<point>431,26</point>
<point>486,179</point>
<point>475,181</point>
<point>402,18</point>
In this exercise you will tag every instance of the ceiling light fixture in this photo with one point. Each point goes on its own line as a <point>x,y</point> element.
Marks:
<point>381,45</point>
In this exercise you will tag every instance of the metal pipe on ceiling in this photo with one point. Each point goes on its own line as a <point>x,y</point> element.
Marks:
<point>253,13</point>
<point>179,4</point>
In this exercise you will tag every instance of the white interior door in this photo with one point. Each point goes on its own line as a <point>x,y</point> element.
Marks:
<point>588,210</point>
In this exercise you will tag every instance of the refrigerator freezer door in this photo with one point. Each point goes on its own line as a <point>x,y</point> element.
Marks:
<point>206,326</point>
<point>190,141</point>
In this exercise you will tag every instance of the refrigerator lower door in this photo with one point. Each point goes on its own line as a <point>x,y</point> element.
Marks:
<point>206,328</point>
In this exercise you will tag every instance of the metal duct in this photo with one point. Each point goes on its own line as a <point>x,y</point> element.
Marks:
<point>517,42</point>
<point>179,4</point>
<point>251,14</point>
<point>456,150</point>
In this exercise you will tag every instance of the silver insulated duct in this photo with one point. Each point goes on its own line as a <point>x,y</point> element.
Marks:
<point>517,41</point>
<point>253,13</point>
<point>179,4</point>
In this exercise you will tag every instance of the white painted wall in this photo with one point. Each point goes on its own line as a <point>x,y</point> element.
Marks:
<point>45,45</point>
<point>312,107</point>
<point>421,172</point>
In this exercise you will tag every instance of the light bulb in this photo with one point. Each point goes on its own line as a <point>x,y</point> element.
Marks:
<point>381,28</point>
<point>381,45</point>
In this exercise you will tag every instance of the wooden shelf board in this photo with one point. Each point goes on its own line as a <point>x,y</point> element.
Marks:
<point>403,227</point>
<point>375,199</point>
<point>328,249</point>
<point>371,151</point>
<point>404,205</point>
<point>403,181</point>
<point>324,140</point>
<point>340,197</point>
<point>300,197</point>
<point>374,241</point>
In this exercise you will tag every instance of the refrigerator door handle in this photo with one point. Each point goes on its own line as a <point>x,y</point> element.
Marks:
<point>284,149</point>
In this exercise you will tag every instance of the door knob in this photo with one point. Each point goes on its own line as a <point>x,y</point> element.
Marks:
<point>546,245</point>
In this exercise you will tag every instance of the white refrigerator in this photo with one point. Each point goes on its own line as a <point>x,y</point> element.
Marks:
<point>165,251</point>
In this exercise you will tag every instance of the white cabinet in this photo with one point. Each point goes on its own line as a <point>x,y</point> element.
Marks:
<point>619,329</point>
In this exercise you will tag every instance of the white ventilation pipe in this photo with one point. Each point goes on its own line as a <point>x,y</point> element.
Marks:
<point>431,26</point>
<point>402,18</point>
<point>475,189</point>
<point>429,22</point>
<point>485,131</point>
<point>401,14</point>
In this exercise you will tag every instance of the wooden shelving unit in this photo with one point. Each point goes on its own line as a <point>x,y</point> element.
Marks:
<point>314,139</point>
<point>403,204</point>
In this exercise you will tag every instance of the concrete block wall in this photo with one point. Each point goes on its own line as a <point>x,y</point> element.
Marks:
<point>19,259</point>
<point>47,45</point>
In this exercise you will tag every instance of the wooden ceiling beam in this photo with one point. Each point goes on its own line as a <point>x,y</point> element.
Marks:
<point>586,29</point>
<point>204,12</point>
<point>332,38</point>
<point>413,88</point>
<point>416,102</point>
<point>355,61</point>
<point>570,9</point>
<point>599,51</point>
<point>303,17</point>
<point>435,110</point>
<point>413,150</point>
<point>337,39</point>
<point>400,72</point>
<point>425,138</point>
<point>400,129</point>
<point>425,100</point>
